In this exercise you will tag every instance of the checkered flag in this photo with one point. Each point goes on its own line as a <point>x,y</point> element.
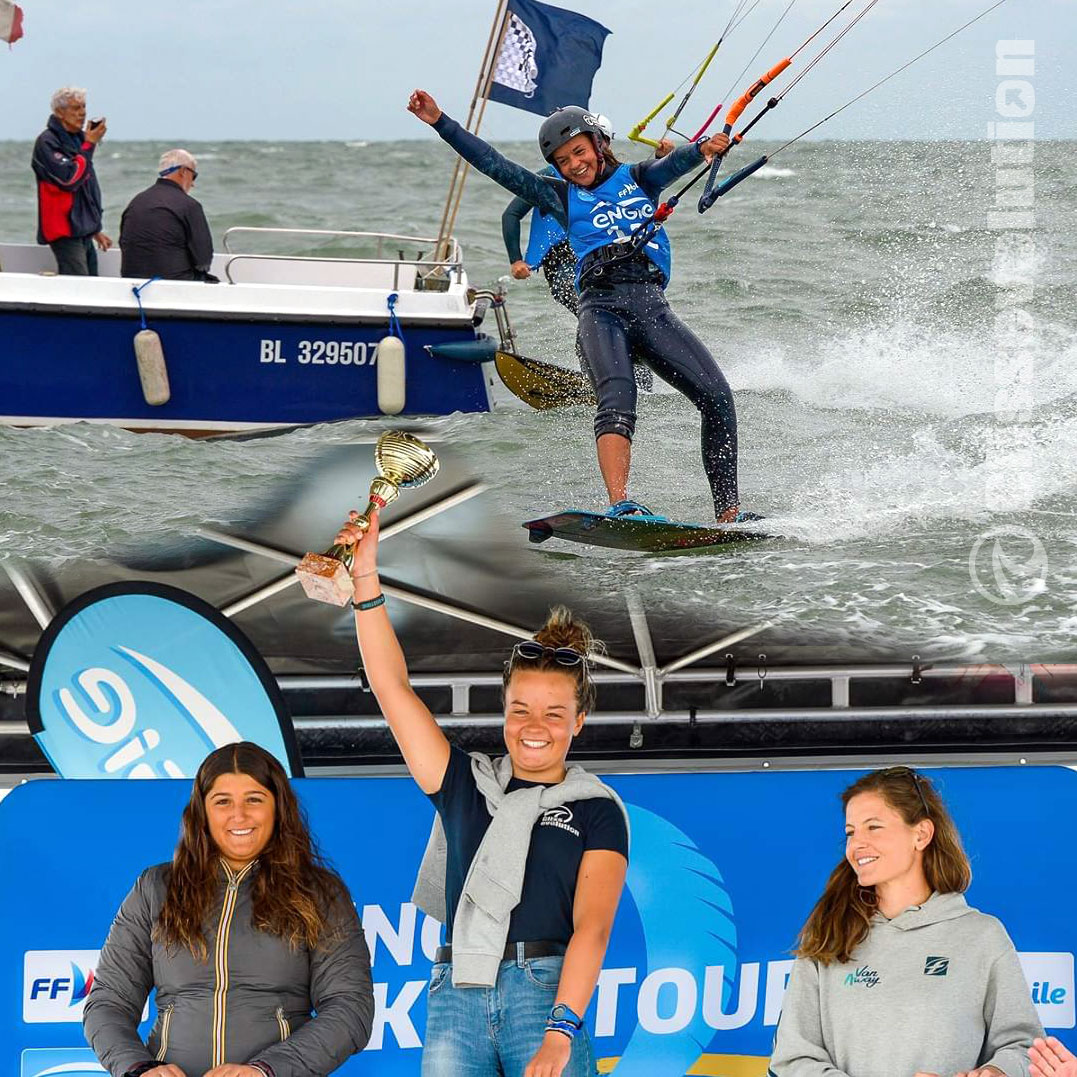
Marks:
<point>548,57</point>
<point>516,62</point>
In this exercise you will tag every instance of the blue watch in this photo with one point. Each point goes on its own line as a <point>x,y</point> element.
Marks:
<point>562,1013</point>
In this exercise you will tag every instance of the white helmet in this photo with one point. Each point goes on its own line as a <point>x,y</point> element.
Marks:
<point>605,126</point>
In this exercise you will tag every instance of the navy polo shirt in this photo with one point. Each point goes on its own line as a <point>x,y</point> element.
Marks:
<point>558,841</point>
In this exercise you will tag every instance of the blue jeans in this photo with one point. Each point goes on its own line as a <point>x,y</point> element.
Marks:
<point>495,1031</point>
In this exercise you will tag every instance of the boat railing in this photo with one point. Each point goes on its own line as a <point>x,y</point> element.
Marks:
<point>430,271</point>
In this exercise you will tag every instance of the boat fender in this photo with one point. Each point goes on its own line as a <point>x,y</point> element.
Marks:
<point>150,356</point>
<point>152,369</point>
<point>389,363</point>
<point>389,360</point>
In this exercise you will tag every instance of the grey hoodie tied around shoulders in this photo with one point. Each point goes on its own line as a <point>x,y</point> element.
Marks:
<point>938,989</point>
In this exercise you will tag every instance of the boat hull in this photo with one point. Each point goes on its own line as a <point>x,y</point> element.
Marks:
<point>283,341</point>
<point>223,374</point>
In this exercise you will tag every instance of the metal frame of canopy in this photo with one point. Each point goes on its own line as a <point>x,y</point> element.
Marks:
<point>648,675</point>
<point>666,702</point>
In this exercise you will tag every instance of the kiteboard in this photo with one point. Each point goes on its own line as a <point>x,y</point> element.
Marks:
<point>644,534</point>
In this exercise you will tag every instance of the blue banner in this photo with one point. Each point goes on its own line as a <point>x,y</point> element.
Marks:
<point>548,58</point>
<point>144,681</point>
<point>724,870</point>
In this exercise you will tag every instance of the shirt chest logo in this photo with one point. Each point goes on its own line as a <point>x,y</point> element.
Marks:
<point>936,966</point>
<point>863,977</point>
<point>561,818</point>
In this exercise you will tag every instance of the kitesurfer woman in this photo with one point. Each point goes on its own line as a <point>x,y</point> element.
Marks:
<point>526,862</point>
<point>896,976</point>
<point>623,313</point>
<point>548,249</point>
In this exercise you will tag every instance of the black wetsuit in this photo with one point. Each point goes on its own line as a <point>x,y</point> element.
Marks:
<point>164,233</point>
<point>624,311</point>
<point>559,268</point>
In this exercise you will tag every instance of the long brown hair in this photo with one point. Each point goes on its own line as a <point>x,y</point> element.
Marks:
<point>293,891</point>
<point>562,629</point>
<point>841,918</point>
<point>608,156</point>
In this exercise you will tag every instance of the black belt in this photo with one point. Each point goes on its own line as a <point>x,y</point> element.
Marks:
<point>443,955</point>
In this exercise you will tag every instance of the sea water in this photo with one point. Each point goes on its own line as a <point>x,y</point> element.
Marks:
<point>849,292</point>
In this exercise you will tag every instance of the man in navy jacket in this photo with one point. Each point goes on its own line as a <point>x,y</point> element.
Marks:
<point>68,194</point>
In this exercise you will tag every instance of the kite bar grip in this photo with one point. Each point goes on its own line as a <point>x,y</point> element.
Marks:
<point>636,131</point>
<point>709,121</point>
<point>708,198</point>
<point>746,98</point>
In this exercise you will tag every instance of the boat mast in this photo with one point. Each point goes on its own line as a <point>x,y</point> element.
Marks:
<point>482,88</point>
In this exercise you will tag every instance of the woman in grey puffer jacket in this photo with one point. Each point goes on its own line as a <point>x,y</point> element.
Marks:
<point>243,936</point>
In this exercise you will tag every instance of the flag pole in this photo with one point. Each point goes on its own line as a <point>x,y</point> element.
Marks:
<point>487,83</point>
<point>482,88</point>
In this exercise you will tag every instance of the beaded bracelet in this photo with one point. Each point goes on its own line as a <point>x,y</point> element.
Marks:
<point>369,604</point>
<point>566,1028</point>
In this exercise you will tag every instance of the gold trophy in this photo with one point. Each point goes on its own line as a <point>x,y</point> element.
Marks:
<point>404,463</point>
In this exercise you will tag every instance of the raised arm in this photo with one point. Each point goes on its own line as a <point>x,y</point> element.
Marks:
<point>551,196</point>
<point>421,741</point>
<point>656,173</point>
<point>54,164</point>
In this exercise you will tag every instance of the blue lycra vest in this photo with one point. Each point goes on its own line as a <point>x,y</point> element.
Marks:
<point>613,210</point>
<point>545,233</point>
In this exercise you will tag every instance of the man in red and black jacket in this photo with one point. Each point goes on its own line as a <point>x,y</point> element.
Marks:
<point>68,194</point>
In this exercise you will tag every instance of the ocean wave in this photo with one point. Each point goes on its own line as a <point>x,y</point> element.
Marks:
<point>909,366</point>
<point>981,475</point>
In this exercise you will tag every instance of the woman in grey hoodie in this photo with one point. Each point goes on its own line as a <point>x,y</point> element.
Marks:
<point>896,975</point>
<point>244,936</point>
<point>527,859</point>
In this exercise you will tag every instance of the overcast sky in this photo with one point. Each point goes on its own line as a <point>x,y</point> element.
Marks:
<point>198,70</point>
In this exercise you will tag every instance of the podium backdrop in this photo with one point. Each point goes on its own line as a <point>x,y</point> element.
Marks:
<point>724,869</point>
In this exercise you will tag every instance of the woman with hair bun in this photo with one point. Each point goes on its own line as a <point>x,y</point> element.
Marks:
<point>528,855</point>
<point>896,975</point>
<point>250,940</point>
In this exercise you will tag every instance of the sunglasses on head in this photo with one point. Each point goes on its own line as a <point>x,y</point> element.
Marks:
<point>530,650</point>
<point>916,783</point>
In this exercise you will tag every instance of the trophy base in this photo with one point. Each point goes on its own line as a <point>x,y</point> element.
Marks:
<point>325,579</point>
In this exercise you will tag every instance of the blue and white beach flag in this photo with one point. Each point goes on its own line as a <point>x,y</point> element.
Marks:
<point>140,680</point>
<point>548,58</point>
